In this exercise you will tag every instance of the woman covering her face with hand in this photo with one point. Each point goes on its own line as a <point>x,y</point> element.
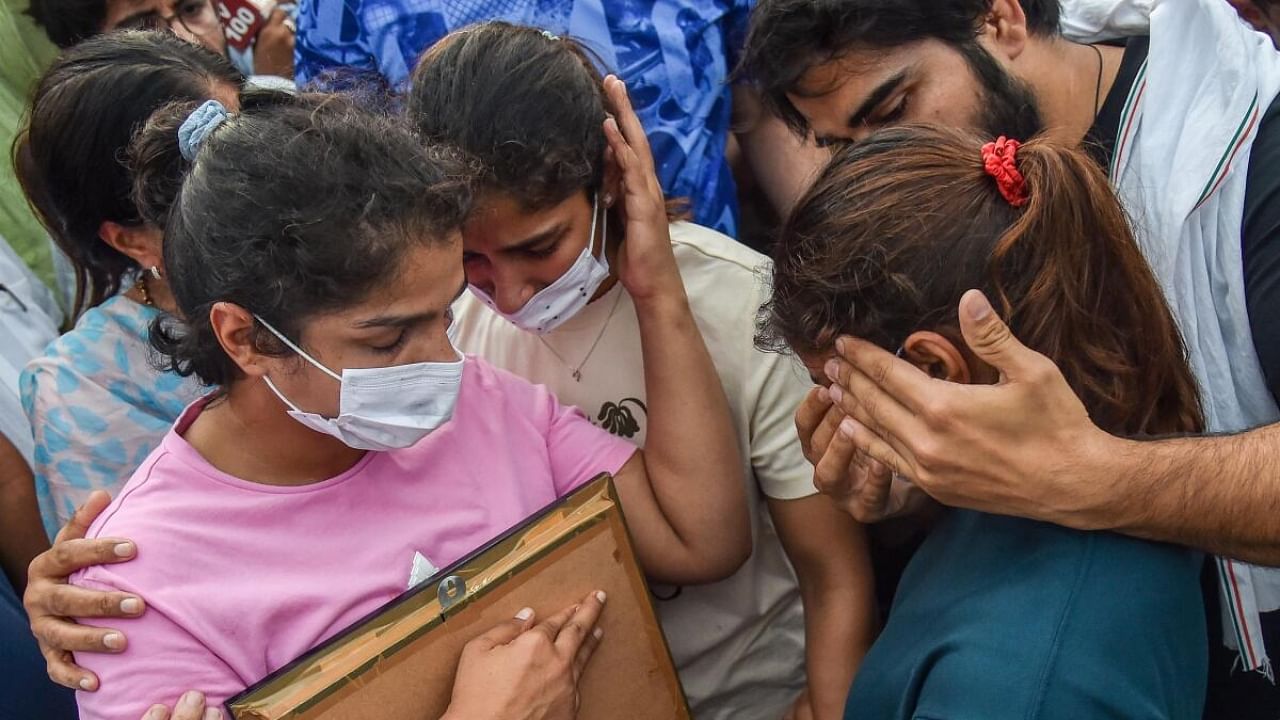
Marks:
<point>1001,617</point>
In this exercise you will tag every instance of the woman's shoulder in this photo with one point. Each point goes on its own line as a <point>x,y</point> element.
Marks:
<point>700,248</point>
<point>491,394</point>
<point>490,379</point>
<point>101,333</point>
<point>725,279</point>
<point>106,358</point>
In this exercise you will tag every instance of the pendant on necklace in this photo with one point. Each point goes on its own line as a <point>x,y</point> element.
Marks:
<point>577,376</point>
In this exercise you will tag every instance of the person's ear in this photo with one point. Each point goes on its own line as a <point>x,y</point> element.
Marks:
<point>235,327</point>
<point>937,356</point>
<point>1004,31</point>
<point>142,243</point>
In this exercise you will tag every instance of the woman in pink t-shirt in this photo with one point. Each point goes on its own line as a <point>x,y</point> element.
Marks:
<point>314,250</point>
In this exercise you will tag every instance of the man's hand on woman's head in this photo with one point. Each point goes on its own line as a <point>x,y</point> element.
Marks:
<point>1024,446</point>
<point>52,603</point>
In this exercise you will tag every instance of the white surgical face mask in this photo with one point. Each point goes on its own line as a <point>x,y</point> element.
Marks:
<point>564,298</point>
<point>387,408</point>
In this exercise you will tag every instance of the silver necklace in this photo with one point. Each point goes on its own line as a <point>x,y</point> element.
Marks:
<point>576,372</point>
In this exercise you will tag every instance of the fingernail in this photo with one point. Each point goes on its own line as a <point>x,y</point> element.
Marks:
<point>598,633</point>
<point>124,549</point>
<point>191,700</point>
<point>213,714</point>
<point>115,641</point>
<point>524,614</point>
<point>601,596</point>
<point>156,713</point>
<point>832,369</point>
<point>978,307</point>
<point>840,345</point>
<point>847,427</point>
<point>131,606</point>
<point>86,684</point>
<point>824,394</point>
<point>836,393</point>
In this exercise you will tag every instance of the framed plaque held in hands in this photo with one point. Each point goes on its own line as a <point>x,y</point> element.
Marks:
<point>399,663</point>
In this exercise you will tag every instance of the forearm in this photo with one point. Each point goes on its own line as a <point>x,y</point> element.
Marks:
<point>839,629</point>
<point>691,450</point>
<point>1220,494</point>
<point>833,566</point>
<point>21,532</point>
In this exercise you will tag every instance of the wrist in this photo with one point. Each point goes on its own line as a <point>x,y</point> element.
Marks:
<point>661,302</point>
<point>1109,466</point>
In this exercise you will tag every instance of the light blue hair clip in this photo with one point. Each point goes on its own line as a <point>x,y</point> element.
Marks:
<point>550,35</point>
<point>198,126</point>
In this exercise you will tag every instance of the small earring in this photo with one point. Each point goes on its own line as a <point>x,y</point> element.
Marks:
<point>155,272</point>
<point>608,200</point>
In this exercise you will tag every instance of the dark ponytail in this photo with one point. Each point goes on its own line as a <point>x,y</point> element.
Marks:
<point>898,227</point>
<point>294,206</point>
<point>69,153</point>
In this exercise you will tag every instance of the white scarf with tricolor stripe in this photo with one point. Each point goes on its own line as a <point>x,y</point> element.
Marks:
<point>1180,166</point>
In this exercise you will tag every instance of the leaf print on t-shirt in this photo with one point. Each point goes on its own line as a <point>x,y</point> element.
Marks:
<point>618,418</point>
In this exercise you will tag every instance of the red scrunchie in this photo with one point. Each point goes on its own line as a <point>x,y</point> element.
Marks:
<point>1000,159</point>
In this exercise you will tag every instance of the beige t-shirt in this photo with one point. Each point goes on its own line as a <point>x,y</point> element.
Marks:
<point>739,643</point>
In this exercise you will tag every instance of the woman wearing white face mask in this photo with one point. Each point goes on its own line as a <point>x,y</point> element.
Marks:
<point>348,447</point>
<point>582,306</point>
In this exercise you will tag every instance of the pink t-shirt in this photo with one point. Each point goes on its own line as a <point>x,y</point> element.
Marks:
<point>240,578</point>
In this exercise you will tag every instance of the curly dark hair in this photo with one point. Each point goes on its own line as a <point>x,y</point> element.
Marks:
<point>898,227</point>
<point>295,206</point>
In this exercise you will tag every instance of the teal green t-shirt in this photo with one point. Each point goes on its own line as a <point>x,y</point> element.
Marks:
<point>1001,618</point>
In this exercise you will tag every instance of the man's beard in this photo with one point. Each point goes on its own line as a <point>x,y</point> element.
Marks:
<point>1008,107</point>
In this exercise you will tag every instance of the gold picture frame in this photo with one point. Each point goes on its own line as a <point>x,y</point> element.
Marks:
<point>399,662</point>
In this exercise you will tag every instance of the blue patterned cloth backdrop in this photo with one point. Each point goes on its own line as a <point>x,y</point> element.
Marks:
<point>675,56</point>
<point>98,406</point>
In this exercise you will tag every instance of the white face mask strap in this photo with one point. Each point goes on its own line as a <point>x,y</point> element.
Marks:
<point>289,343</point>
<point>280,395</point>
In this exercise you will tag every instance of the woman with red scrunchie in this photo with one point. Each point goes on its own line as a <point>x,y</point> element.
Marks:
<point>997,617</point>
